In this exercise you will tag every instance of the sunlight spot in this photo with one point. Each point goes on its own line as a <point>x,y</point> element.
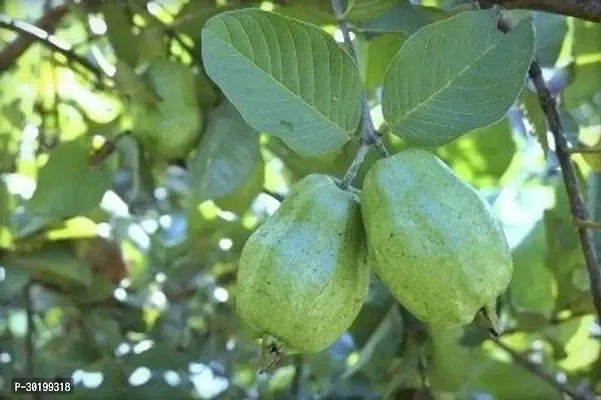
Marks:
<point>143,346</point>
<point>97,25</point>
<point>225,244</point>
<point>140,376</point>
<point>221,295</point>
<point>120,294</point>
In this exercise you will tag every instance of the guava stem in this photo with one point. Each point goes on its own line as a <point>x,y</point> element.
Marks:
<point>351,173</point>
<point>272,352</point>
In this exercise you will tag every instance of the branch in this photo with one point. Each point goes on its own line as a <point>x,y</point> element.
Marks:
<point>369,134</point>
<point>31,33</point>
<point>537,370</point>
<point>589,10</point>
<point>577,206</point>
<point>579,211</point>
<point>17,47</point>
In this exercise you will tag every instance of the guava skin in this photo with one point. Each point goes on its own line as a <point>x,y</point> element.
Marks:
<point>303,274</point>
<point>435,242</point>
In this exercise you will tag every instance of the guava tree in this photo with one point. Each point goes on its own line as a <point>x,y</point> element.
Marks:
<point>301,199</point>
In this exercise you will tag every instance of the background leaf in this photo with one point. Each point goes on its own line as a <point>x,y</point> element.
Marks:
<point>226,157</point>
<point>67,184</point>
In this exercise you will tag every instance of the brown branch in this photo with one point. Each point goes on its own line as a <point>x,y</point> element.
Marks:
<point>537,370</point>
<point>48,23</point>
<point>31,33</point>
<point>577,206</point>
<point>589,10</point>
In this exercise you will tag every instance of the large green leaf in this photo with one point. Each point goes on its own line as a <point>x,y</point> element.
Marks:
<point>67,184</point>
<point>226,157</point>
<point>286,77</point>
<point>454,76</point>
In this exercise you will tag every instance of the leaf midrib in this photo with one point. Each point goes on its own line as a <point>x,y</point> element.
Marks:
<point>278,83</point>
<point>437,92</point>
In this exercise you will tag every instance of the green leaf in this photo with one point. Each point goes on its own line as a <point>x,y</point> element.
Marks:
<point>531,287</point>
<point>536,117</point>
<point>6,231</point>
<point>587,38</point>
<point>67,184</point>
<point>362,10</point>
<point>482,156</point>
<point>551,30</point>
<point>13,281</point>
<point>376,357</point>
<point>226,157</point>
<point>505,381</point>
<point>448,361</point>
<point>406,19</point>
<point>285,77</point>
<point>119,32</point>
<point>581,90</point>
<point>594,205</point>
<point>454,76</point>
<point>54,265</point>
<point>380,52</point>
<point>242,197</point>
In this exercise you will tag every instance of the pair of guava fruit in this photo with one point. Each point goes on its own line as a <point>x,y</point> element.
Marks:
<point>304,273</point>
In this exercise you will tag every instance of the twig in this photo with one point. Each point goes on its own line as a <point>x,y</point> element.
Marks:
<point>34,33</point>
<point>583,150</point>
<point>589,10</point>
<point>277,196</point>
<point>540,372</point>
<point>579,211</point>
<point>586,224</point>
<point>369,135</point>
<point>17,47</point>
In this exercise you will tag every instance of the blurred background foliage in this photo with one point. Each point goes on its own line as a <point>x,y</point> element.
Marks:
<point>119,248</point>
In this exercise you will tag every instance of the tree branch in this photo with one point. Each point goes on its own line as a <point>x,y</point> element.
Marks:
<point>369,135</point>
<point>17,47</point>
<point>589,10</point>
<point>31,33</point>
<point>537,370</point>
<point>579,211</point>
<point>577,206</point>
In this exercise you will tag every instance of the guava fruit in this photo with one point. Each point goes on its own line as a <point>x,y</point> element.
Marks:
<point>170,126</point>
<point>435,242</point>
<point>303,274</point>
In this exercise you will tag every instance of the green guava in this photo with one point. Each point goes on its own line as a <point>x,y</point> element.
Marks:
<point>435,242</point>
<point>170,126</point>
<point>303,274</point>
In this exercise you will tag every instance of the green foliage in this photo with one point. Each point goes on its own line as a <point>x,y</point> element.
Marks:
<point>447,88</point>
<point>151,152</point>
<point>302,98</point>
